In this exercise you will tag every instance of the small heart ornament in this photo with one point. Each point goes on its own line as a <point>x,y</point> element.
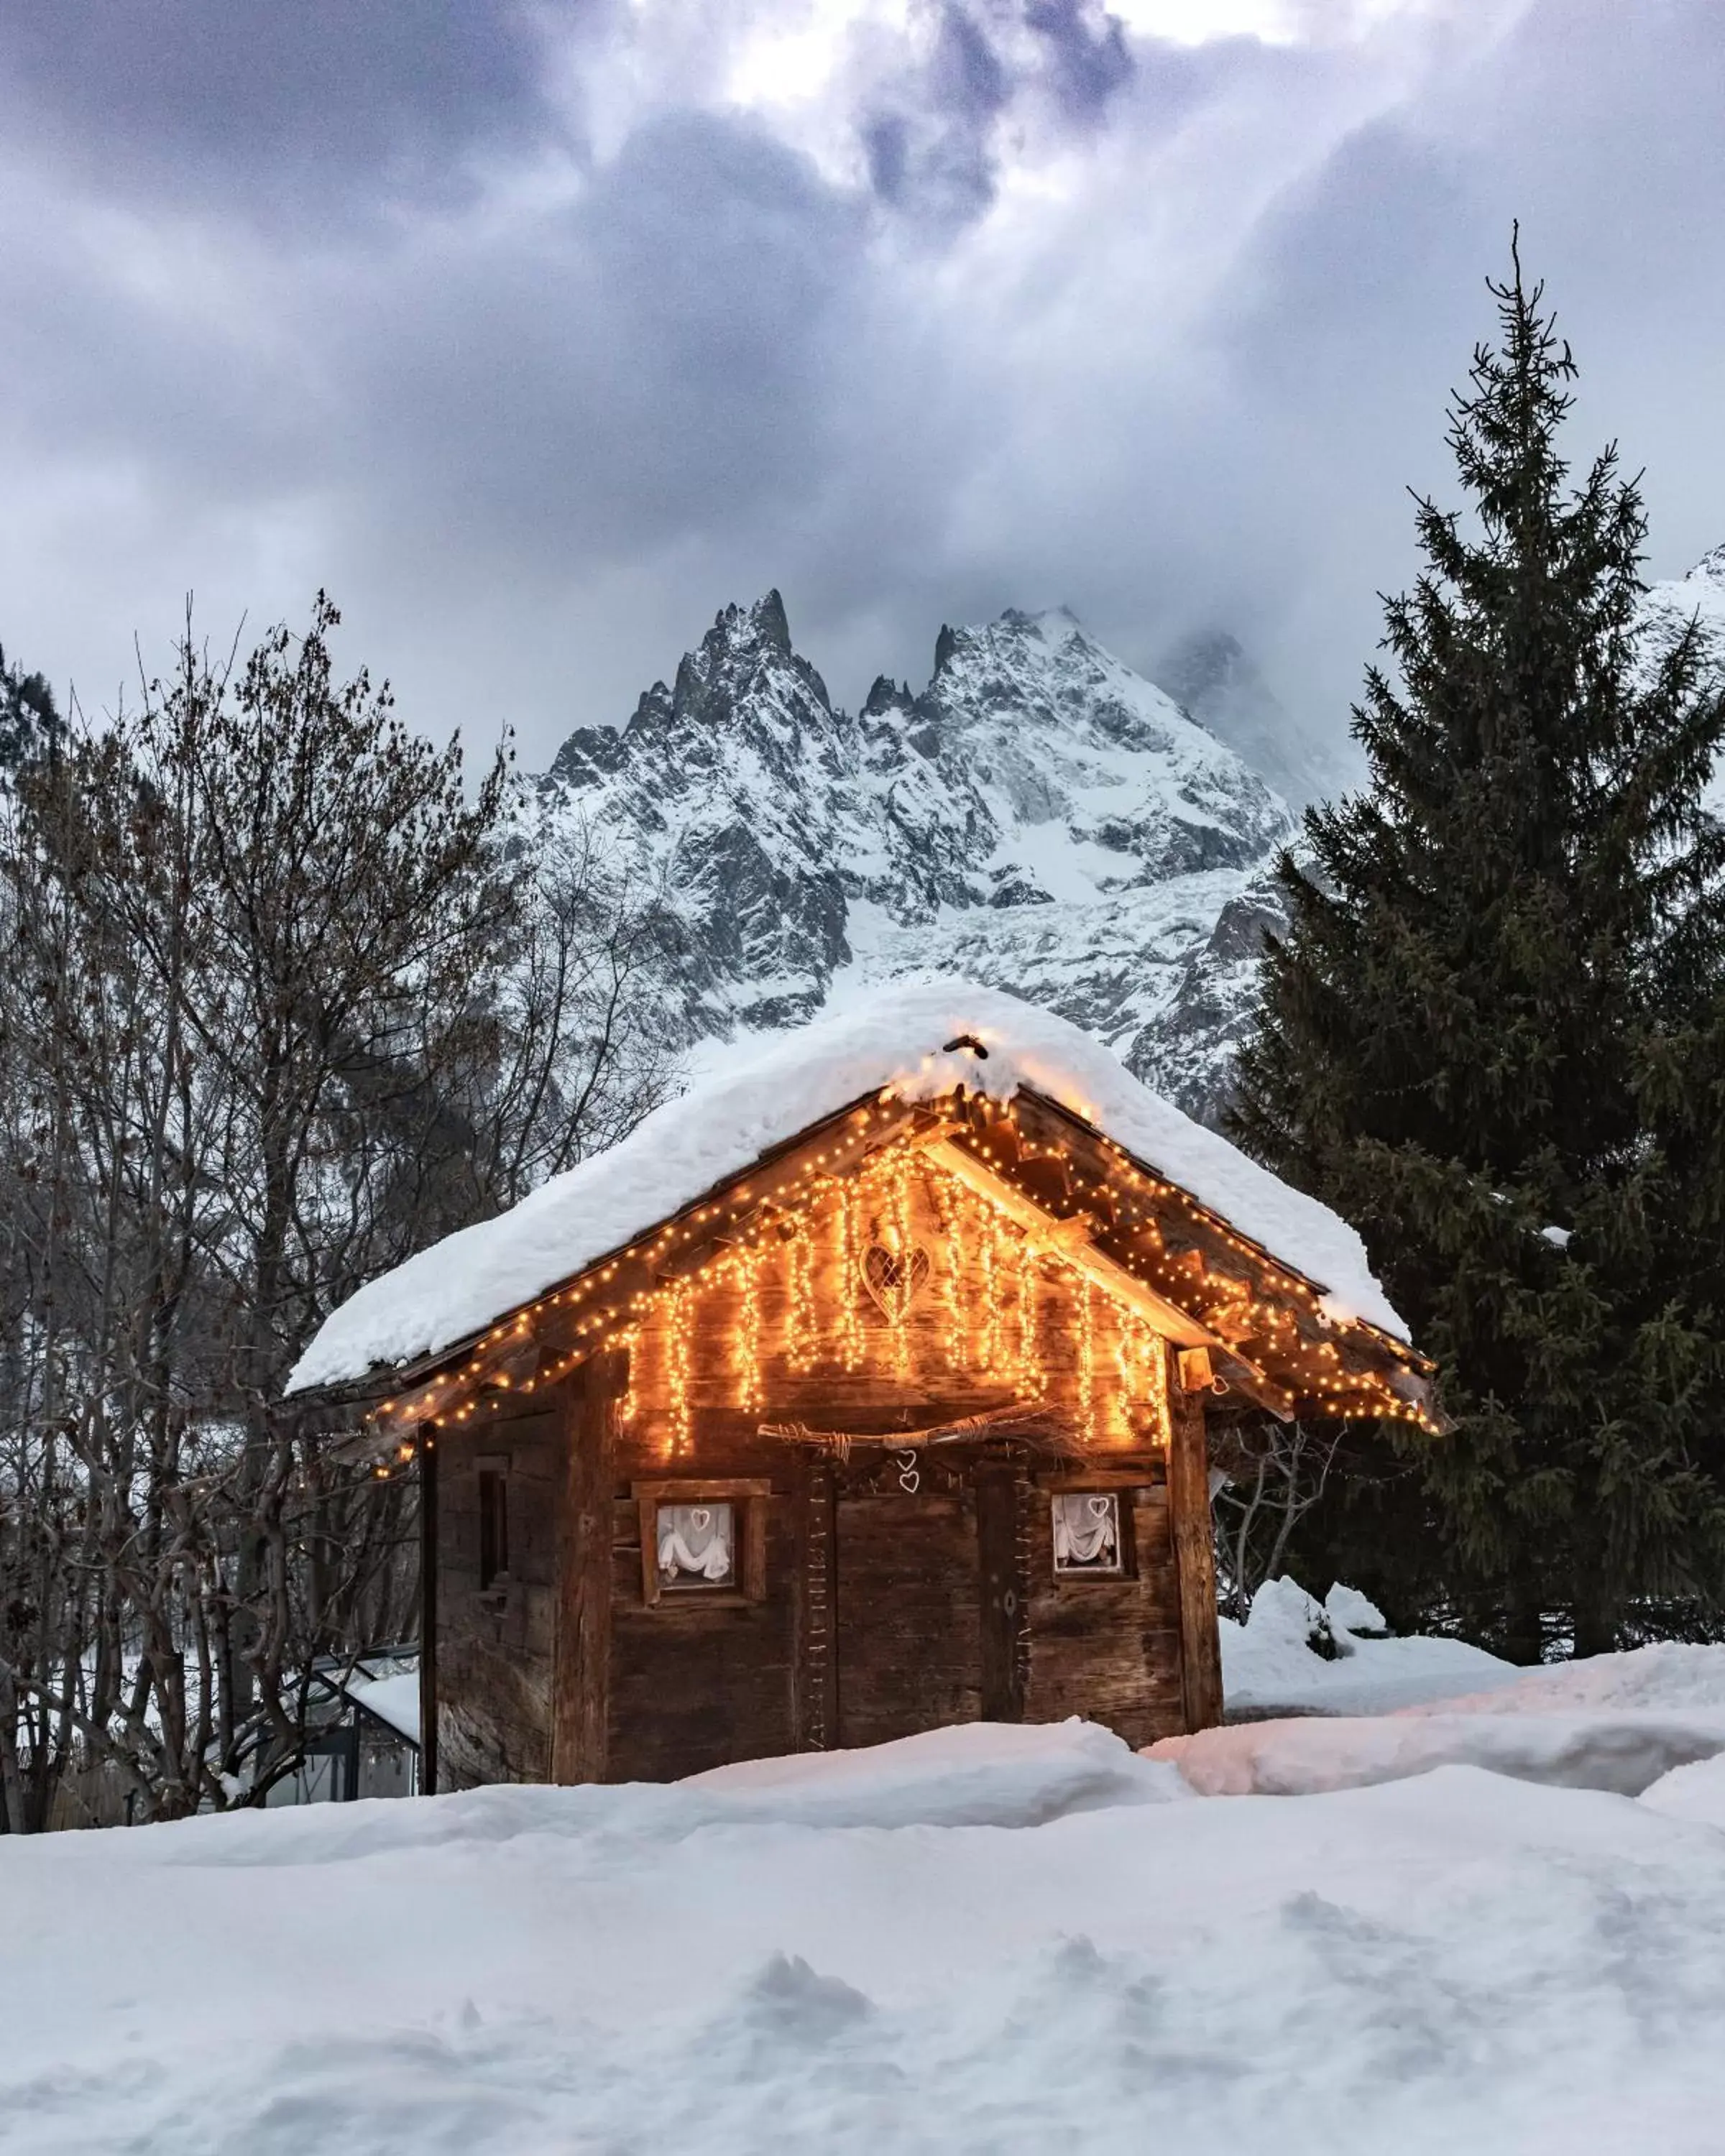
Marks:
<point>893,1279</point>
<point>1099,1508</point>
<point>700,1519</point>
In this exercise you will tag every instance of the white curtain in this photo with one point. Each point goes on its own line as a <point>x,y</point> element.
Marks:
<point>1087,1530</point>
<point>695,1542</point>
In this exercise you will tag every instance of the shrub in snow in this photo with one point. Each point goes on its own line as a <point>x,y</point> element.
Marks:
<point>1348,1610</point>
<point>1284,1612</point>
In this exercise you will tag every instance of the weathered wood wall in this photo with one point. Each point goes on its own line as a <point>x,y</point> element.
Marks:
<point>496,1650</point>
<point>1109,1649</point>
<point>890,1602</point>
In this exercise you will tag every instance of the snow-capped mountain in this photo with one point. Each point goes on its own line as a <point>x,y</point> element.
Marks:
<point>1039,818</point>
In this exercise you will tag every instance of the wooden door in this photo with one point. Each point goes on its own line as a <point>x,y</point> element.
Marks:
<point>1000,1556</point>
<point>908,1606</point>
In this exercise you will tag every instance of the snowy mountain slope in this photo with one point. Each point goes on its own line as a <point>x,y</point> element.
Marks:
<point>1039,818</point>
<point>1215,678</point>
<point>1699,590</point>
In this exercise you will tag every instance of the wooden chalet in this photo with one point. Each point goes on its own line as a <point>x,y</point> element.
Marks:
<point>896,1419</point>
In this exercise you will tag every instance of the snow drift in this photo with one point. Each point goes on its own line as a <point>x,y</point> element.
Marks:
<point>988,1940</point>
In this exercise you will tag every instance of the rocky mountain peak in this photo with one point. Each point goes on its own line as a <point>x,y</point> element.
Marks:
<point>1710,569</point>
<point>745,648</point>
<point>888,698</point>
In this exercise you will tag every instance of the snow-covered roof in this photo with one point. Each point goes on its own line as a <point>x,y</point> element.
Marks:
<point>754,1097</point>
<point>394,1700</point>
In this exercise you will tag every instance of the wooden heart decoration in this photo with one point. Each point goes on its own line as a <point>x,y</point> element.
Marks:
<point>893,1278</point>
<point>699,1519</point>
<point>1099,1508</point>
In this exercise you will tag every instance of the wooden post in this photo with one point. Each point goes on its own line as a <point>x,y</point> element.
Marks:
<point>590,1398</point>
<point>814,1657</point>
<point>1003,1591</point>
<point>1189,1497</point>
<point>425,1450</point>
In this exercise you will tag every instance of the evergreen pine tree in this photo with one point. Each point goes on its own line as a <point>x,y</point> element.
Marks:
<point>1491,1037</point>
<point>30,723</point>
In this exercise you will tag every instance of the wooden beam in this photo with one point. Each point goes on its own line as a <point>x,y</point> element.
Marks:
<point>1196,1372</point>
<point>425,1449</point>
<point>1026,1419</point>
<point>814,1649</point>
<point>1072,1239</point>
<point>1188,1499</point>
<point>1217,1238</point>
<point>591,1398</point>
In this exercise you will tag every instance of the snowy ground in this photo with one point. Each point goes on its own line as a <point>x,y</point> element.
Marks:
<point>989,1939</point>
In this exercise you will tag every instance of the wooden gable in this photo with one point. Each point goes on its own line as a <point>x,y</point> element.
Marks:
<point>966,1258</point>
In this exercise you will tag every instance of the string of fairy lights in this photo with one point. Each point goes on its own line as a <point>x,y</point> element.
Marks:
<point>867,1185</point>
<point>715,1331</point>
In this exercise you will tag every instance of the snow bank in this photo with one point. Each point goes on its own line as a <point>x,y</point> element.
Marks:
<point>1625,1750</point>
<point>1695,1792</point>
<point>1269,1668</point>
<point>1390,1708</point>
<point>1454,1961</point>
<point>1670,1674</point>
<point>761,1096</point>
<point>977,1774</point>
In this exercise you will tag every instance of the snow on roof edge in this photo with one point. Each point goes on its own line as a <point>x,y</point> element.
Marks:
<point>759,1095</point>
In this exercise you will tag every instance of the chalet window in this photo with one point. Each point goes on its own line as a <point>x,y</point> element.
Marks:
<point>493,1523</point>
<point>703,1541</point>
<point>1087,1541</point>
<point>696,1546</point>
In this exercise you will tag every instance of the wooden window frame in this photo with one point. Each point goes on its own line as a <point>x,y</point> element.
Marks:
<point>1117,1483</point>
<point>748,1495</point>
<point>491,1473</point>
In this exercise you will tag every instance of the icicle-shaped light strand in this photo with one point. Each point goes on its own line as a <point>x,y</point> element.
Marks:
<point>850,1333</point>
<point>746,1349</point>
<point>1290,1306</point>
<point>989,1249</point>
<point>1161,1379</point>
<point>940,1192</point>
<point>678,1323</point>
<point>899,1200</point>
<point>1029,1375</point>
<point>1086,1360</point>
<point>799,1311</point>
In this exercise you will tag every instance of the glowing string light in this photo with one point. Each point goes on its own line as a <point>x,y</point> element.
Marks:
<point>1027,1373</point>
<point>899,1201</point>
<point>799,1303</point>
<point>1086,1360</point>
<point>746,1348</point>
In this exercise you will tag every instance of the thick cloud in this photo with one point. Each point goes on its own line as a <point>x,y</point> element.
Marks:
<point>271,104</point>
<point>538,334</point>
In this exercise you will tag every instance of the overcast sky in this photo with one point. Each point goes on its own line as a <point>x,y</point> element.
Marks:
<point>537,331</point>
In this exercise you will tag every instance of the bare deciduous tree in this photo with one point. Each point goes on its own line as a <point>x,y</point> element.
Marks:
<point>279,1002</point>
<point>1271,1474</point>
